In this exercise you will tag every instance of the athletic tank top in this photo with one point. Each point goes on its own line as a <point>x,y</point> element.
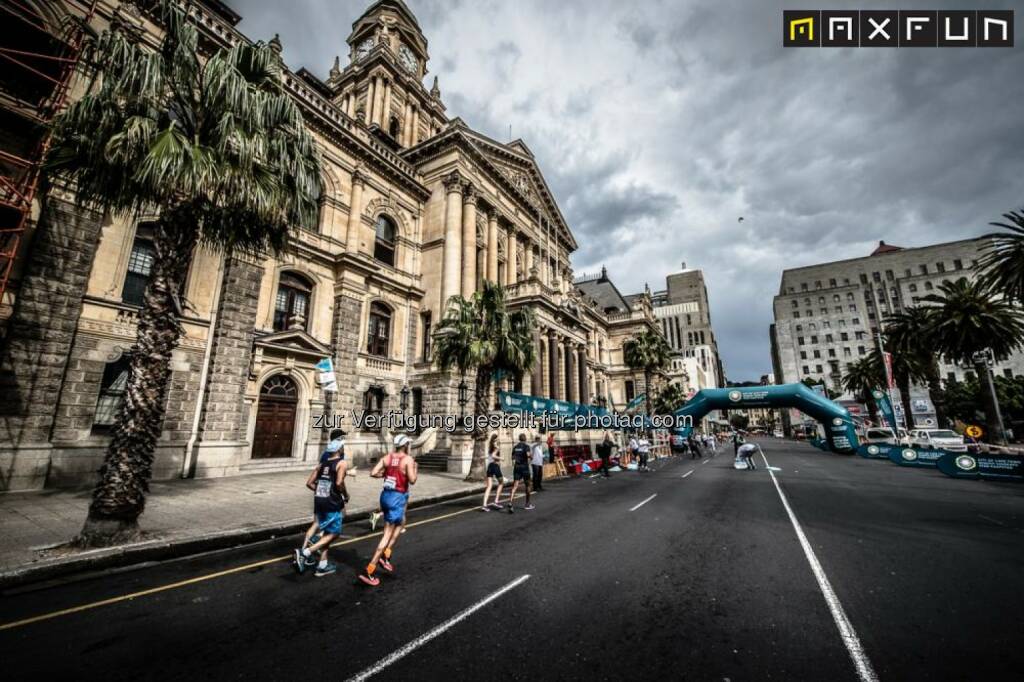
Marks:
<point>394,476</point>
<point>327,496</point>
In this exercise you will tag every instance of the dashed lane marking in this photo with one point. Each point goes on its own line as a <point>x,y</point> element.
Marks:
<point>644,502</point>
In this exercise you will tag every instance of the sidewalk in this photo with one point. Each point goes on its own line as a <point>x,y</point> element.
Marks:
<point>182,517</point>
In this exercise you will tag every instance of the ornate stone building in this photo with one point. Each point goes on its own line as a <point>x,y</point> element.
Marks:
<point>417,207</point>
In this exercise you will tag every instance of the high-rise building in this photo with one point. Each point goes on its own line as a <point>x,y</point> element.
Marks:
<point>829,315</point>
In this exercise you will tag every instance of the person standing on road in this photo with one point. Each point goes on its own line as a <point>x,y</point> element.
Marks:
<point>551,447</point>
<point>327,482</point>
<point>644,448</point>
<point>604,451</point>
<point>520,471</point>
<point>494,475</point>
<point>695,452</point>
<point>398,470</point>
<point>537,463</point>
<point>746,453</point>
<point>633,450</point>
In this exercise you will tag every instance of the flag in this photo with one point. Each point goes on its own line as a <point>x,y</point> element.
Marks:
<point>888,370</point>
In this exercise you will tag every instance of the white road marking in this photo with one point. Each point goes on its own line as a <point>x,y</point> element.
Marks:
<point>688,473</point>
<point>865,671</point>
<point>705,461</point>
<point>644,502</point>
<point>439,630</point>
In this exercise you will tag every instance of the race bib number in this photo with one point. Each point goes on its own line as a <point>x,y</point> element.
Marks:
<point>323,488</point>
<point>390,483</point>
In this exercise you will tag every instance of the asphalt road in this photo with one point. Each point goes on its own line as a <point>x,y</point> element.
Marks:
<point>919,578</point>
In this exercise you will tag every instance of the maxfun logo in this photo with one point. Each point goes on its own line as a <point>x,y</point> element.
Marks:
<point>897,28</point>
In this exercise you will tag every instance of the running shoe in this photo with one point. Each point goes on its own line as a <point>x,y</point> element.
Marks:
<point>386,565</point>
<point>300,562</point>
<point>374,519</point>
<point>330,568</point>
<point>495,505</point>
<point>485,508</point>
<point>312,560</point>
<point>510,509</point>
<point>370,580</point>
<point>529,506</point>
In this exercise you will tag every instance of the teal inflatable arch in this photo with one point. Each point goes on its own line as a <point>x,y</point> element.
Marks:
<point>841,433</point>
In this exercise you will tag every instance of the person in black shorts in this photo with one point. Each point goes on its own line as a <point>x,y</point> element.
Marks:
<point>327,482</point>
<point>604,451</point>
<point>520,471</point>
<point>494,475</point>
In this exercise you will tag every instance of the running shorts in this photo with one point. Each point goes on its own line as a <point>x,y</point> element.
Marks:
<point>329,522</point>
<point>521,473</point>
<point>494,471</point>
<point>392,504</point>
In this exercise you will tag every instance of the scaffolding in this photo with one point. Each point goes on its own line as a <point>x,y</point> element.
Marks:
<point>40,46</point>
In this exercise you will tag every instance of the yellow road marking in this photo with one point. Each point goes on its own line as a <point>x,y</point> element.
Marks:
<point>203,578</point>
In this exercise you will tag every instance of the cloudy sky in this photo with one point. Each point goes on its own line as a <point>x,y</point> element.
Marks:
<point>659,123</point>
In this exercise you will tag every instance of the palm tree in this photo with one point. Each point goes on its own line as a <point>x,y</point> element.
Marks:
<point>647,352</point>
<point>1003,259</point>
<point>908,331</point>
<point>669,399</point>
<point>220,150</point>
<point>480,333</point>
<point>861,378</point>
<point>970,320</point>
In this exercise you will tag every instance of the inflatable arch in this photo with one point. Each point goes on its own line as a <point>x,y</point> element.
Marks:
<point>841,433</point>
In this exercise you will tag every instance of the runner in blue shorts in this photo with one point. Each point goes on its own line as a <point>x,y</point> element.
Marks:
<point>398,470</point>
<point>327,482</point>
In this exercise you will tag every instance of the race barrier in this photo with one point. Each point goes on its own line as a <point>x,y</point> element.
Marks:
<point>982,466</point>
<point>915,457</point>
<point>876,450</point>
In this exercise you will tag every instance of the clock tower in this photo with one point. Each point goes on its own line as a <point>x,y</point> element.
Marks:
<point>382,85</point>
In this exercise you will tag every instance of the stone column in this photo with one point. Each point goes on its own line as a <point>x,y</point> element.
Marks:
<point>452,249</point>
<point>385,112</point>
<point>370,95</point>
<point>469,240</point>
<point>581,353</point>
<point>355,212</point>
<point>529,258</point>
<point>224,423</point>
<point>570,373</point>
<point>378,99</point>
<point>537,380</point>
<point>511,257</point>
<point>492,245</point>
<point>415,126</point>
<point>40,336</point>
<point>553,353</point>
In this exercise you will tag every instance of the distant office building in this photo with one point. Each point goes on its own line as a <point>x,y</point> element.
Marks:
<point>827,316</point>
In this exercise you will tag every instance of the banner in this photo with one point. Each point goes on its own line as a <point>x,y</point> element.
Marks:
<point>636,401</point>
<point>325,376</point>
<point>877,450</point>
<point>915,457</point>
<point>885,407</point>
<point>982,465</point>
<point>887,358</point>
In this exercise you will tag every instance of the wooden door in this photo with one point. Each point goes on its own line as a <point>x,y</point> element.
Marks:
<point>275,419</point>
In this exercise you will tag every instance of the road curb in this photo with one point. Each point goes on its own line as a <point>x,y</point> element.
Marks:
<point>160,550</point>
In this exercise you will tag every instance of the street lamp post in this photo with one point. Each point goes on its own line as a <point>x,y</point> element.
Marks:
<point>463,397</point>
<point>404,404</point>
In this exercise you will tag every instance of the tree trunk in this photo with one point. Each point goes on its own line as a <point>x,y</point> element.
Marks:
<point>120,495</point>
<point>647,395</point>
<point>937,394</point>
<point>481,395</point>
<point>993,433</point>
<point>869,400</point>
<point>903,383</point>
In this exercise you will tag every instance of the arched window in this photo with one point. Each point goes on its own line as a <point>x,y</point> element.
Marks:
<point>378,334</point>
<point>291,305</point>
<point>394,128</point>
<point>384,244</point>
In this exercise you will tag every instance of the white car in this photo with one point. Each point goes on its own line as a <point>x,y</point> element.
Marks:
<point>938,438</point>
<point>883,434</point>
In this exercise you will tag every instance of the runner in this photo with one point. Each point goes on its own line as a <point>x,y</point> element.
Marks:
<point>327,482</point>
<point>493,475</point>
<point>336,444</point>
<point>644,448</point>
<point>520,471</point>
<point>746,453</point>
<point>398,470</point>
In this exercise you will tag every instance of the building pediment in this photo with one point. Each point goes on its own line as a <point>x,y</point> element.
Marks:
<point>293,342</point>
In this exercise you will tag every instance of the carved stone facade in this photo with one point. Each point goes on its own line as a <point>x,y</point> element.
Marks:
<point>417,207</point>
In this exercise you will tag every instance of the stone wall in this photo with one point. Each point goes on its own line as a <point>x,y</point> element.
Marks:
<point>39,337</point>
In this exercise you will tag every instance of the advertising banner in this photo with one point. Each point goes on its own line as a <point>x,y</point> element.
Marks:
<point>885,407</point>
<point>889,383</point>
<point>915,457</point>
<point>982,465</point>
<point>877,450</point>
<point>325,376</point>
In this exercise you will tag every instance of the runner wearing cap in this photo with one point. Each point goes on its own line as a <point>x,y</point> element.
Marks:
<point>398,470</point>
<point>336,444</point>
<point>327,482</point>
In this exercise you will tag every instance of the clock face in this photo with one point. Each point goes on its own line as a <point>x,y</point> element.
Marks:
<point>408,59</point>
<point>364,48</point>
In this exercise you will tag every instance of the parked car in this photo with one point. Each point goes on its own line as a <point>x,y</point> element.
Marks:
<point>884,434</point>
<point>938,438</point>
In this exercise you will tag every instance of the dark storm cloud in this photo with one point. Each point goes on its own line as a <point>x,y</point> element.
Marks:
<point>659,123</point>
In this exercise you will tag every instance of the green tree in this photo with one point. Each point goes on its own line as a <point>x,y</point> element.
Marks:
<point>1002,262</point>
<point>219,148</point>
<point>969,321</point>
<point>738,421</point>
<point>907,333</point>
<point>647,352</point>
<point>480,333</point>
<point>669,399</point>
<point>860,378</point>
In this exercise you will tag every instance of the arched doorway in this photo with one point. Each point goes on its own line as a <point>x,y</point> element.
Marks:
<point>275,418</point>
